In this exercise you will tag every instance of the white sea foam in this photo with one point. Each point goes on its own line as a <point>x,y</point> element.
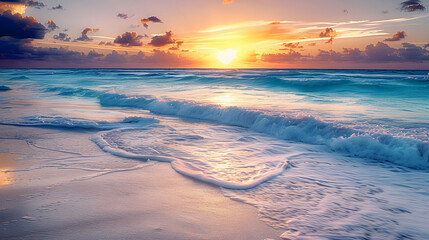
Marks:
<point>406,152</point>
<point>73,122</point>
<point>224,161</point>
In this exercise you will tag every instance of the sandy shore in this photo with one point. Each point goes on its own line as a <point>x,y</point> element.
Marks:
<point>62,186</point>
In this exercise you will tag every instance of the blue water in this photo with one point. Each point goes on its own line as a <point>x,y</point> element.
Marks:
<point>320,153</point>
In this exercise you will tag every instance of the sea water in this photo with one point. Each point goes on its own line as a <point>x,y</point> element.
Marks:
<point>322,154</point>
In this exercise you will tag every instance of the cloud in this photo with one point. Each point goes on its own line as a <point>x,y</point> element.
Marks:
<point>27,3</point>
<point>396,37</point>
<point>35,4</point>
<point>288,46</point>
<point>226,2</point>
<point>153,19</point>
<point>62,37</point>
<point>18,26</point>
<point>426,46</point>
<point>122,15</point>
<point>162,40</point>
<point>373,53</point>
<point>21,53</point>
<point>129,39</point>
<point>21,49</point>
<point>177,47</point>
<point>84,36</point>
<point>105,43</point>
<point>329,32</point>
<point>292,55</point>
<point>412,6</point>
<point>311,44</point>
<point>52,25</point>
<point>59,7</point>
<point>12,7</point>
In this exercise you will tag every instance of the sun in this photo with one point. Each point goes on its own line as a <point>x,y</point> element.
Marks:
<point>226,56</point>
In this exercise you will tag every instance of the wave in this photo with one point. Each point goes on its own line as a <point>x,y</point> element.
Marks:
<point>68,122</point>
<point>19,78</point>
<point>233,170</point>
<point>79,92</point>
<point>4,88</point>
<point>306,129</point>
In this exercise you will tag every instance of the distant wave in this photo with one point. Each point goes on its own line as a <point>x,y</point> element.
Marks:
<point>67,122</point>
<point>406,152</point>
<point>19,78</point>
<point>4,88</point>
<point>80,92</point>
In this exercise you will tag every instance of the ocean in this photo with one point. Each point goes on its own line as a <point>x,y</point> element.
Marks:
<point>329,154</point>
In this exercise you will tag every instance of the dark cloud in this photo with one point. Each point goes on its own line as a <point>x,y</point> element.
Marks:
<point>28,3</point>
<point>426,46</point>
<point>35,4</point>
<point>162,40</point>
<point>59,7</point>
<point>122,15</point>
<point>153,19</point>
<point>129,39</point>
<point>62,37</point>
<point>84,36</point>
<point>329,32</point>
<point>385,12</point>
<point>18,26</point>
<point>21,49</point>
<point>412,6</point>
<point>396,37</point>
<point>52,25</point>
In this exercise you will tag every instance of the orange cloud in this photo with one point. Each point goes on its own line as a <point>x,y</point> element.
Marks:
<point>397,37</point>
<point>12,7</point>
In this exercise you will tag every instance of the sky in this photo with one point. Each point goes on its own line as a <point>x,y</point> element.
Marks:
<point>370,34</point>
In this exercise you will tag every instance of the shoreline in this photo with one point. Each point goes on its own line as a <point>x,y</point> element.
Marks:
<point>70,193</point>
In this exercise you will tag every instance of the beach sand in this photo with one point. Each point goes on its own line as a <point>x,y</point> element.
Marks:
<point>62,186</point>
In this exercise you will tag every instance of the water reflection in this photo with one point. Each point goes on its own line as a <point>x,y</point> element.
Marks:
<point>6,163</point>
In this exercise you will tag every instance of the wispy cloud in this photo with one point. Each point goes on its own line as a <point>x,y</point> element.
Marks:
<point>278,32</point>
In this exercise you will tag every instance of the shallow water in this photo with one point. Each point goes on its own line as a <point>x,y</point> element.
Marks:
<point>324,153</point>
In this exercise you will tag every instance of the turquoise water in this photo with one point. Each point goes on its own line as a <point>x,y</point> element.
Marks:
<point>320,153</point>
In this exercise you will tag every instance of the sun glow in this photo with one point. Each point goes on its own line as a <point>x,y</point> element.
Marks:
<point>226,56</point>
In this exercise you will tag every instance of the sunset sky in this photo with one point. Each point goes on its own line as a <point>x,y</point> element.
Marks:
<point>215,33</point>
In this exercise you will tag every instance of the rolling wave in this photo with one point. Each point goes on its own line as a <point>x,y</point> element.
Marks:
<point>307,129</point>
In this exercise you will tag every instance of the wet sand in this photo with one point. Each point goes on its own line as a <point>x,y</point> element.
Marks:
<point>65,187</point>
